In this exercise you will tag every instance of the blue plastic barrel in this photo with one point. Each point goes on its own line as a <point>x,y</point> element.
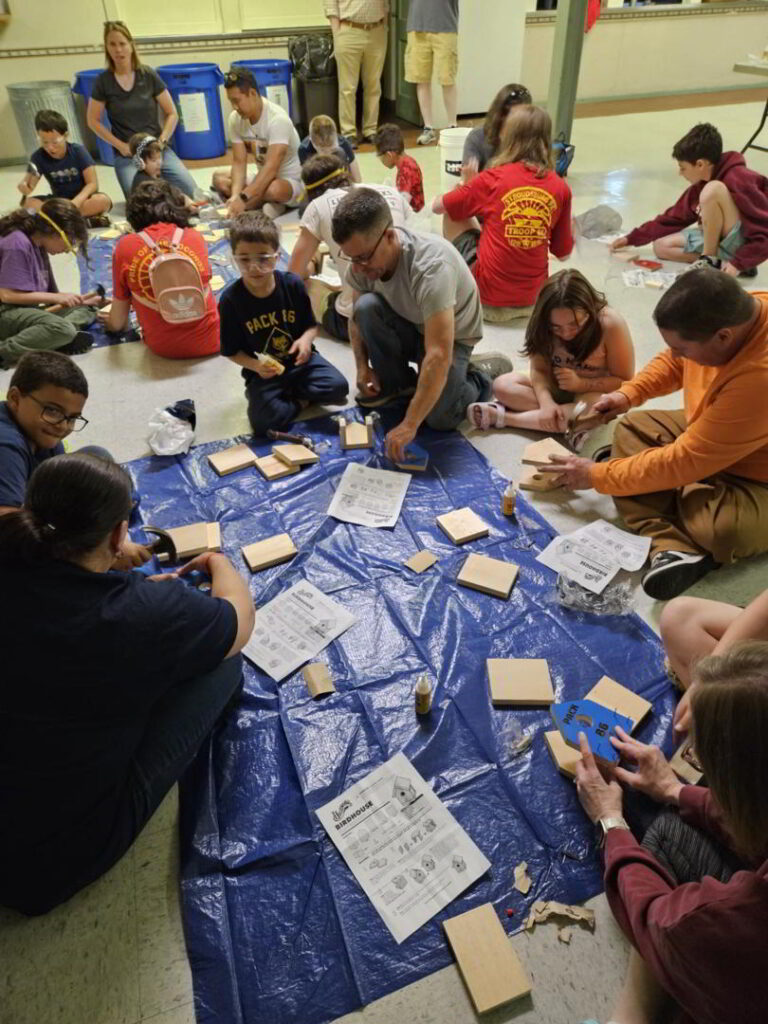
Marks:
<point>83,85</point>
<point>195,91</point>
<point>273,78</point>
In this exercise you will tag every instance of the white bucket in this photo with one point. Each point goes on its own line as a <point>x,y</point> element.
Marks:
<point>451,149</point>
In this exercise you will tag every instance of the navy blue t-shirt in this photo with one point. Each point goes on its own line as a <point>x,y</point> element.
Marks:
<point>18,460</point>
<point>269,325</point>
<point>306,150</point>
<point>65,176</point>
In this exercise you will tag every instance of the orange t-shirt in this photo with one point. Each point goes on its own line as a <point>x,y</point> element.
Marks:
<point>130,276</point>
<point>726,415</point>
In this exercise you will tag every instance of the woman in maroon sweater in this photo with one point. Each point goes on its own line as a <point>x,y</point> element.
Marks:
<point>693,897</point>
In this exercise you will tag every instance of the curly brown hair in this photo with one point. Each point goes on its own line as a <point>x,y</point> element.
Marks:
<point>322,172</point>
<point>154,202</point>
<point>54,214</point>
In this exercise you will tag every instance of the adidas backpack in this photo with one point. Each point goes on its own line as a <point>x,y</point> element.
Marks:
<point>180,295</point>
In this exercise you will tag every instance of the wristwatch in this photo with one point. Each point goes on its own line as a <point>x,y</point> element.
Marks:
<point>606,824</point>
<point>244,196</point>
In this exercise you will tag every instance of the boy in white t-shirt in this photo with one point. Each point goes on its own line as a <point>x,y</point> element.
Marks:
<point>264,129</point>
<point>327,180</point>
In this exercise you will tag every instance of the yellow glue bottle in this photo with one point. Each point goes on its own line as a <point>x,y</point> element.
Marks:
<point>423,695</point>
<point>508,499</point>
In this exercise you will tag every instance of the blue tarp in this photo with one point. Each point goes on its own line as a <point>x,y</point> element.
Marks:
<point>277,929</point>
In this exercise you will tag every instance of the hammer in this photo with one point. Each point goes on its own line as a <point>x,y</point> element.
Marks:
<point>98,290</point>
<point>164,547</point>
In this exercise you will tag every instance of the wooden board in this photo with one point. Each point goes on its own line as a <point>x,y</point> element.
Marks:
<point>488,964</point>
<point>194,540</point>
<point>565,757</point>
<point>523,682</point>
<point>273,469</point>
<point>216,283</point>
<point>462,525</point>
<point>356,435</point>
<point>532,480</point>
<point>230,460</point>
<point>541,451</point>
<point>489,575</point>
<point>682,767</point>
<point>318,679</point>
<point>421,561</point>
<point>269,552</point>
<point>616,697</point>
<point>295,454</point>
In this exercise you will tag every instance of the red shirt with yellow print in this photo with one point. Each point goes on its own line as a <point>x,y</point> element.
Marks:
<point>130,276</point>
<point>524,218</point>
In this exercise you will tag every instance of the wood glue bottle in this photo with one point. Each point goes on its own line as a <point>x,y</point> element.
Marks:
<point>508,499</point>
<point>423,695</point>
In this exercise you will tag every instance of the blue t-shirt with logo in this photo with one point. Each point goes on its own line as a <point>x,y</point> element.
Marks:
<point>64,176</point>
<point>269,325</point>
<point>18,459</point>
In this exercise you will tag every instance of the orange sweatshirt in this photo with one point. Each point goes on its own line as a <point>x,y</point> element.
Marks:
<point>726,412</point>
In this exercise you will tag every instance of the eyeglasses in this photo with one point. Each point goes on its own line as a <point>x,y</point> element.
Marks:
<point>264,260</point>
<point>55,416</point>
<point>361,261</point>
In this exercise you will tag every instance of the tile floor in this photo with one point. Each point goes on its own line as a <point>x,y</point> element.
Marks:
<point>115,954</point>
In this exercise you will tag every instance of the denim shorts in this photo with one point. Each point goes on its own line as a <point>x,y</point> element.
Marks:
<point>727,248</point>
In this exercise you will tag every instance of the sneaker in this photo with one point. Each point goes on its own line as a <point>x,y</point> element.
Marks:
<point>706,261</point>
<point>672,572</point>
<point>352,140</point>
<point>601,454</point>
<point>273,210</point>
<point>427,137</point>
<point>374,401</point>
<point>81,342</point>
<point>101,220</point>
<point>492,364</point>
<point>752,272</point>
<point>369,140</point>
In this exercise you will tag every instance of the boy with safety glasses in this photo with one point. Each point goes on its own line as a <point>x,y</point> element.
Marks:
<point>268,328</point>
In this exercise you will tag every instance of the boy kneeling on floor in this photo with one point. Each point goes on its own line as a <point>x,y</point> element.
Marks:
<point>267,313</point>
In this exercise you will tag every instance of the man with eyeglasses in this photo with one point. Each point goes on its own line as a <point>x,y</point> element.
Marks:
<point>263,128</point>
<point>44,405</point>
<point>414,301</point>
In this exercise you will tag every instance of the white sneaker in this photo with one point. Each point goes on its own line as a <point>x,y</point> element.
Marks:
<point>428,136</point>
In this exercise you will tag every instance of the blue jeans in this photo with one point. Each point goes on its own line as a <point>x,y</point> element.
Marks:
<point>173,171</point>
<point>394,342</point>
<point>275,403</point>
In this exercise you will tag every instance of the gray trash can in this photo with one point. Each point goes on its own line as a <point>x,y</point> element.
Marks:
<point>317,96</point>
<point>29,97</point>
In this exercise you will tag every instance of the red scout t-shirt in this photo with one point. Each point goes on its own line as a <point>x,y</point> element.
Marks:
<point>130,275</point>
<point>524,217</point>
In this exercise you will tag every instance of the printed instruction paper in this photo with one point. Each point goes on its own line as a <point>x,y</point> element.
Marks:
<point>404,847</point>
<point>592,555</point>
<point>369,497</point>
<point>293,628</point>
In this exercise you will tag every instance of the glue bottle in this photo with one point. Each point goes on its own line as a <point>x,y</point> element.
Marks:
<point>423,695</point>
<point>508,499</point>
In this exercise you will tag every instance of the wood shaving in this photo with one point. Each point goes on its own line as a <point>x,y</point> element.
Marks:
<point>523,881</point>
<point>564,934</point>
<point>544,909</point>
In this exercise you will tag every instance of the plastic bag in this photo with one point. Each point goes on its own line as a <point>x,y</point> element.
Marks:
<point>599,220</point>
<point>312,56</point>
<point>616,599</point>
<point>172,430</point>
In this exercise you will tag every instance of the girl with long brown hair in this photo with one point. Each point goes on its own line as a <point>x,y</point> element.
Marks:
<point>482,144</point>
<point>578,348</point>
<point>525,209</point>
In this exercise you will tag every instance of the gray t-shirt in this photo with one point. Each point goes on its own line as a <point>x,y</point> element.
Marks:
<point>433,16</point>
<point>134,110</point>
<point>477,147</point>
<point>431,276</point>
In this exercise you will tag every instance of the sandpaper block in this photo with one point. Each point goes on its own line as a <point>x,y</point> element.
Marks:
<point>596,722</point>
<point>685,764</point>
<point>272,551</point>
<point>533,480</point>
<point>271,468</point>
<point>615,697</point>
<point>295,454</point>
<point>416,458</point>
<point>421,561</point>
<point>489,575</point>
<point>565,757</point>
<point>462,525</point>
<point>520,682</point>
<point>191,540</point>
<point>488,964</point>
<point>356,435</point>
<point>540,452</point>
<point>232,459</point>
<point>318,679</point>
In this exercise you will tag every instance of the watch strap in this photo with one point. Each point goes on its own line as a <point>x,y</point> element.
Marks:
<point>606,824</point>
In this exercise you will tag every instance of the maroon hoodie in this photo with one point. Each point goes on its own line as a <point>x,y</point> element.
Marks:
<point>749,190</point>
<point>706,942</point>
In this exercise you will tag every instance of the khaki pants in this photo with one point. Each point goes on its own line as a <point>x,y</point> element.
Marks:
<point>724,515</point>
<point>360,54</point>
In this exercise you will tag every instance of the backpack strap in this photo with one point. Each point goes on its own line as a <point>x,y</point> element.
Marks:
<point>176,240</point>
<point>148,240</point>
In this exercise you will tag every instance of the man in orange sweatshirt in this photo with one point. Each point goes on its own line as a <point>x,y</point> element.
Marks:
<point>694,480</point>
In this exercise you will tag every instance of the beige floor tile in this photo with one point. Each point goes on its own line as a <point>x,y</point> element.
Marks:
<point>181,1015</point>
<point>167,814</point>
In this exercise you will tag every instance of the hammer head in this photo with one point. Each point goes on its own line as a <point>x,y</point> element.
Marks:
<point>164,548</point>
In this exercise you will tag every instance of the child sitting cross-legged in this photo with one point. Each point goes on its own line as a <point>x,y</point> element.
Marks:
<point>579,348</point>
<point>268,328</point>
<point>324,139</point>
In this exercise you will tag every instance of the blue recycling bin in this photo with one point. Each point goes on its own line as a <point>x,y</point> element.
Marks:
<point>83,86</point>
<point>273,78</point>
<point>195,90</point>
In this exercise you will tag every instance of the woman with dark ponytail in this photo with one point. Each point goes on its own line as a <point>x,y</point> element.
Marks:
<point>117,679</point>
<point>27,239</point>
